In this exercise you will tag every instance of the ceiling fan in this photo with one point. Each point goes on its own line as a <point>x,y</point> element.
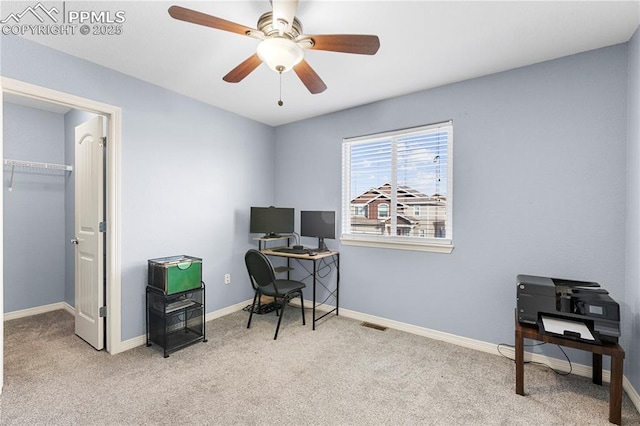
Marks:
<point>282,42</point>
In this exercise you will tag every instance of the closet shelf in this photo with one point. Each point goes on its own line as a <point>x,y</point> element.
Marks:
<point>34,165</point>
<point>37,165</point>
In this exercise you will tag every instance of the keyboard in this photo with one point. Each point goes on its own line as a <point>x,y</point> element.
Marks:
<point>290,250</point>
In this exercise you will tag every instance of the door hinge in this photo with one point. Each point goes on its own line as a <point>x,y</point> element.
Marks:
<point>103,142</point>
<point>103,311</point>
<point>102,227</point>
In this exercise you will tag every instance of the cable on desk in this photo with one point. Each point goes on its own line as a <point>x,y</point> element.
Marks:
<point>322,266</point>
<point>319,276</point>
<point>560,373</point>
<point>325,265</point>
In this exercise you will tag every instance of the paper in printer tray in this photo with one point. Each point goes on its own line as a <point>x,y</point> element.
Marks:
<point>575,330</point>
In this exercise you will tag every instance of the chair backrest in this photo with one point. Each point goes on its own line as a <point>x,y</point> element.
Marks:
<point>259,268</point>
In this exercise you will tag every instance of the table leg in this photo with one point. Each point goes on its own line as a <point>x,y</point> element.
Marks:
<point>519,363</point>
<point>337,282</point>
<point>313,310</point>
<point>596,368</point>
<point>615,389</point>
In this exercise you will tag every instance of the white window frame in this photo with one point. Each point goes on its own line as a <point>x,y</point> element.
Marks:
<point>386,209</point>
<point>438,245</point>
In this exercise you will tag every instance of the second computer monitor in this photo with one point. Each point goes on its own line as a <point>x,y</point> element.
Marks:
<point>318,224</point>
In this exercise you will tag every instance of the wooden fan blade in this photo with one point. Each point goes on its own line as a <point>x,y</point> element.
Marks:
<point>200,18</point>
<point>237,74</point>
<point>309,78</point>
<point>346,43</point>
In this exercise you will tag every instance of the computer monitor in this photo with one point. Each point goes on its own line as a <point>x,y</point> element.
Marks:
<point>271,221</point>
<point>319,224</point>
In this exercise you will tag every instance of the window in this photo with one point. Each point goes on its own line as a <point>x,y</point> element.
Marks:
<point>383,210</point>
<point>397,189</point>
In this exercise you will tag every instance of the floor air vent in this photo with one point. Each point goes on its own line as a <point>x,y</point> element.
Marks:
<point>374,326</point>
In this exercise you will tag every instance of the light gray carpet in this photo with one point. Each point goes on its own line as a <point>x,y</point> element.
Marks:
<point>340,374</point>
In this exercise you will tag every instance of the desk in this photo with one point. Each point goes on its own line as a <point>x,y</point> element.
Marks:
<point>331,256</point>
<point>613,350</point>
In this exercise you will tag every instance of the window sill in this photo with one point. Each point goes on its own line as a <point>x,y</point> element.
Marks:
<point>444,247</point>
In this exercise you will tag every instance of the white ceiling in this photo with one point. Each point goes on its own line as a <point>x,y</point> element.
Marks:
<point>424,44</point>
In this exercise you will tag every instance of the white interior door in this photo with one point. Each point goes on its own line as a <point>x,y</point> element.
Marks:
<point>89,271</point>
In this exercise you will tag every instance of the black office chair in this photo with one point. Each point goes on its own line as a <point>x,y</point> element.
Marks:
<point>264,282</point>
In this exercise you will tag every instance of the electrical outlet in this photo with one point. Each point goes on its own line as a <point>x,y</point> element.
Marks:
<point>227,278</point>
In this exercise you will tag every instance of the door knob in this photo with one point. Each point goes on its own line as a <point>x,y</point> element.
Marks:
<point>73,241</point>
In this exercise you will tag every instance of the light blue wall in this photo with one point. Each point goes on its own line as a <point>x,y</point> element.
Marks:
<point>539,188</point>
<point>34,244</point>
<point>190,173</point>
<point>632,299</point>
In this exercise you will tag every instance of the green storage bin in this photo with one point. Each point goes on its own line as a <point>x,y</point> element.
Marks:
<point>175,274</point>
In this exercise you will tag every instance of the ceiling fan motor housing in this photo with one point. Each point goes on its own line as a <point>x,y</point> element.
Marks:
<point>266,25</point>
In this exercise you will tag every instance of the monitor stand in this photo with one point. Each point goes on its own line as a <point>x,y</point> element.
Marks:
<point>321,246</point>
<point>270,235</point>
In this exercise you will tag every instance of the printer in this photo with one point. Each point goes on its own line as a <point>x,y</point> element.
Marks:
<point>570,300</point>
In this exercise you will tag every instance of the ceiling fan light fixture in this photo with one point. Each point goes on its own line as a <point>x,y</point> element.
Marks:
<point>280,54</point>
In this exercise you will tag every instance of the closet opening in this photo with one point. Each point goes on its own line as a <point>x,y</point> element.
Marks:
<point>38,263</point>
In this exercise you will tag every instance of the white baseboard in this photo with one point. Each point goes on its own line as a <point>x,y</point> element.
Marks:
<point>134,342</point>
<point>228,310</point>
<point>554,363</point>
<point>67,307</point>
<point>632,393</point>
<point>37,310</point>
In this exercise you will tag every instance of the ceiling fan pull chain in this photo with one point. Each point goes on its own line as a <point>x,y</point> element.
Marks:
<point>280,69</point>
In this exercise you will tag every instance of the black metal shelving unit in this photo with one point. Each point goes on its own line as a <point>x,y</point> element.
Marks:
<point>175,321</point>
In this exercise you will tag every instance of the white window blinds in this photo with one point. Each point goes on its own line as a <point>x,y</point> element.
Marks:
<point>397,187</point>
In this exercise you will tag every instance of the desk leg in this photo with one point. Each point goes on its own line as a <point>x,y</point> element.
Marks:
<point>313,310</point>
<point>615,389</point>
<point>337,283</point>
<point>596,369</point>
<point>519,363</point>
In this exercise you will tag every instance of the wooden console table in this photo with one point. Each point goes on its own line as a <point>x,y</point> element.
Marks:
<point>613,350</point>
